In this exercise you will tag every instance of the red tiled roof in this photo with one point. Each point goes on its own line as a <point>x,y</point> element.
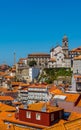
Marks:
<point>76,49</point>
<point>40,105</point>
<point>77,57</point>
<point>38,54</point>
<point>6,98</point>
<point>6,108</point>
<point>52,60</point>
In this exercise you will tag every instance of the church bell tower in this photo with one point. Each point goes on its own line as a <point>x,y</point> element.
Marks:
<point>65,45</point>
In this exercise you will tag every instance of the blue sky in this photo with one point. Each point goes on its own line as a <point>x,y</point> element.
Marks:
<point>28,26</point>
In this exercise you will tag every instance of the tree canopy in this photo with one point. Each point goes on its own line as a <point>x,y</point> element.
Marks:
<point>52,74</point>
<point>32,63</point>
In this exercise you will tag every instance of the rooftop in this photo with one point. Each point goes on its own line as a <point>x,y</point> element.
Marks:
<point>43,106</point>
<point>38,85</point>
<point>39,54</point>
<point>52,60</point>
<point>77,76</point>
<point>6,98</point>
<point>74,116</point>
<point>69,96</point>
<point>79,103</point>
<point>77,57</point>
<point>6,108</point>
<point>76,49</point>
<point>56,91</point>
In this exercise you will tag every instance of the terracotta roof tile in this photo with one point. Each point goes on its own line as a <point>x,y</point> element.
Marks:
<point>74,116</point>
<point>77,57</point>
<point>71,97</point>
<point>39,54</point>
<point>57,126</point>
<point>56,91</point>
<point>6,98</point>
<point>53,88</point>
<point>79,103</point>
<point>73,125</point>
<point>77,76</point>
<point>14,120</point>
<point>38,86</point>
<point>39,107</point>
<point>52,60</point>
<point>9,77</point>
<point>76,49</point>
<point>2,73</point>
<point>16,83</point>
<point>6,108</point>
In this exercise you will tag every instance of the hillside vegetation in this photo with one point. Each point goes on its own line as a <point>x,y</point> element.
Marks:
<point>50,74</point>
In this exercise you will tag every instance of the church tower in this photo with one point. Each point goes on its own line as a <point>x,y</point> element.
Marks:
<point>65,45</point>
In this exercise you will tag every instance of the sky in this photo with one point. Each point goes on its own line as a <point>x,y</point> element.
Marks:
<point>33,26</point>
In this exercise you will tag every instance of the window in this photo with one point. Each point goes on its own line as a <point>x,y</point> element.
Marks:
<point>38,116</point>
<point>28,114</point>
<point>52,117</point>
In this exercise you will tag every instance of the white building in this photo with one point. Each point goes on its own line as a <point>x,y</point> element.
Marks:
<point>77,65</point>
<point>76,83</point>
<point>38,92</point>
<point>40,58</point>
<point>55,50</point>
<point>76,78</point>
<point>59,56</point>
<point>33,73</point>
<point>23,96</point>
<point>74,53</point>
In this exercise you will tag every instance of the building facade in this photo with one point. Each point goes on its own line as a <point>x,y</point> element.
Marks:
<point>77,65</point>
<point>59,56</point>
<point>40,58</point>
<point>23,96</point>
<point>33,73</point>
<point>76,78</point>
<point>40,114</point>
<point>38,92</point>
<point>73,53</point>
<point>76,83</point>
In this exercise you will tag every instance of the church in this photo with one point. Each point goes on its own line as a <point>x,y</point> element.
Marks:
<point>59,56</point>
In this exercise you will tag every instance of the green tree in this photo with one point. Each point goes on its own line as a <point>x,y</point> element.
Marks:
<point>52,74</point>
<point>32,63</point>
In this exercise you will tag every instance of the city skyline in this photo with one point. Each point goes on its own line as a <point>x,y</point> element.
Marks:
<point>37,26</point>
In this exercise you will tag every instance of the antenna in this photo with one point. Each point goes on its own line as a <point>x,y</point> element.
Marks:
<point>14,58</point>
